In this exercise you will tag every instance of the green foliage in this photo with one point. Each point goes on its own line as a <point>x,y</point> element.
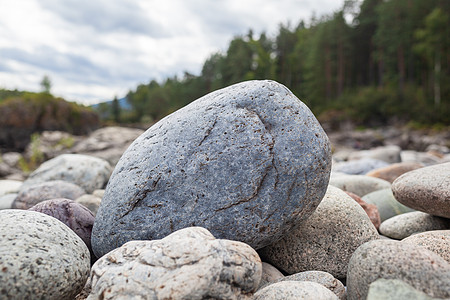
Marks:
<point>36,155</point>
<point>46,84</point>
<point>66,142</point>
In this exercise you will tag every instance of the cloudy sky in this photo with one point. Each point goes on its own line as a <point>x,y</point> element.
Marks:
<point>93,50</point>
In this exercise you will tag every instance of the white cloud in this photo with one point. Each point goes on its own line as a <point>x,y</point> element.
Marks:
<point>94,50</point>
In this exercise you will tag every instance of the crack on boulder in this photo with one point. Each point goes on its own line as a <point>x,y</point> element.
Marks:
<point>207,133</point>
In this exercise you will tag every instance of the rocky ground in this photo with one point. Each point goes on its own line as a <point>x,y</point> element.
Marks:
<point>380,228</point>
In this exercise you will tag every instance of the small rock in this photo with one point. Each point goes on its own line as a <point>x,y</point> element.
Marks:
<point>394,289</point>
<point>88,172</point>
<point>359,167</point>
<point>437,241</point>
<point>422,269</point>
<point>386,203</point>
<point>419,157</point>
<point>326,240</point>
<point>370,209</point>
<point>11,158</point>
<point>359,184</point>
<point>269,274</point>
<point>7,200</point>
<point>74,215</point>
<point>293,290</point>
<point>99,193</point>
<point>389,154</point>
<point>32,195</point>
<point>187,264</point>
<point>9,186</point>
<point>425,189</point>
<point>392,172</point>
<point>40,257</point>
<point>404,225</point>
<point>90,201</point>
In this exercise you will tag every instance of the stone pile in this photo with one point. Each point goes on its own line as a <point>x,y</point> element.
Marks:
<point>234,196</point>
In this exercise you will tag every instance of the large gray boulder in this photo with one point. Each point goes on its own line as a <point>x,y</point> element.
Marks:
<point>247,162</point>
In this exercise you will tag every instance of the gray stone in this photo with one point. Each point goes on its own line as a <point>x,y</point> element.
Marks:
<point>88,172</point>
<point>389,154</point>
<point>90,201</point>
<point>326,240</point>
<point>269,274</point>
<point>9,186</point>
<point>74,215</point>
<point>437,241</point>
<point>424,158</point>
<point>422,269</point>
<point>320,277</point>
<point>425,189</point>
<point>394,289</point>
<point>294,290</point>
<point>359,167</point>
<point>11,158</point>
<point>99,193</point>
<point>247,162</point>
<point>7,200</point>
<point>187,264</point>
<point>404,225</point>
<point>40,257</point>
<point>386,203</point>
<point>28,197</point>
<point>359,184</point>
<point>393,171</point>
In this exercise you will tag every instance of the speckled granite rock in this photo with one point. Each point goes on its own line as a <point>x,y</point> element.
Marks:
<point>386,203</point>
<point>359,184</point>
<point>437,241</point>
<point>404,225</point>
<point>370,209</point>
<point>246,162</point>
<point>293,290</point>
<point>394,289</point>
<point>320,277</point>
<point>40,257</point>
<point>88,172</point>
<point>269,274</point>
<point>422,269</point>
<point>326,240</point>
<point>188,264</point>
<point>393,171</point>
<point>74,215</point>
<point>28,197</point>
<point>425,189</point>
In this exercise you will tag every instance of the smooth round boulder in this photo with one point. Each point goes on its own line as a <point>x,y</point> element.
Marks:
<point>359,184</point>
<point>437,241</point>
<point>394,289</point>
<point>88,172</point>
<point>90,201</point>
<point>294,290</point>
<point>40,257</point>
<point>422,269</point>
<point>187,264</point>
<point>326,241</point>
<point>247,162</point>
<point>426,189</point>
<point>386,204</point>
<point>28,197</point>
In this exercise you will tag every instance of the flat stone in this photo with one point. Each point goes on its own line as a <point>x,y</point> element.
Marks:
<point>292,290</point>
<point>28,197</point>
<point>40,257</point>
<point>359,184</point>
<point>437,241</point>
<point>425,189</point>
<point>422,269</point>
<point>393,289</point>
<point>389,154</point>
<point>88,172</point>
<point>386,203</point>
<point>9,186</point>
<point>326,240</point>
<point>247,162</point>
<point>404,225</point>
<point>187,264</point>
<point>359,167</point>
<point>393,171</point>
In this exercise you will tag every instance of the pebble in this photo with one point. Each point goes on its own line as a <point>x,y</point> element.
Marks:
<point>7,200</point>
<point>88,172</point>
<point>326,240</point>
<point>424,158</point>
<point>293,290</point>
<point>389,154</point>
<point>393,171</point>
<point>437,241</point>
<point>28,197</point>
<point>359,166</point>
<point>394,289</point>
<point>9,186</point>
<point>40,257</point>
<point>269,274</point>
<point>404,225</point>
<point>187,264</point>
<point>247,162</point>
<point>422,269</point>
<point>426,189</point>
<point>359,184</point>
<point>386,203</point>
<point>370,209</point>
<point>90,201</point>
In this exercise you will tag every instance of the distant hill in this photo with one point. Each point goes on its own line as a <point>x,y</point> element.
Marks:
<point>123,103</point>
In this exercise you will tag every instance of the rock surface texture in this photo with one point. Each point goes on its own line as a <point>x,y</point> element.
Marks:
<point>40,257</point>
<point>293,290</point>
<point>188,264</point>
<point>247,162</point>
<point>437,241</point>
<point>425,189</point>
